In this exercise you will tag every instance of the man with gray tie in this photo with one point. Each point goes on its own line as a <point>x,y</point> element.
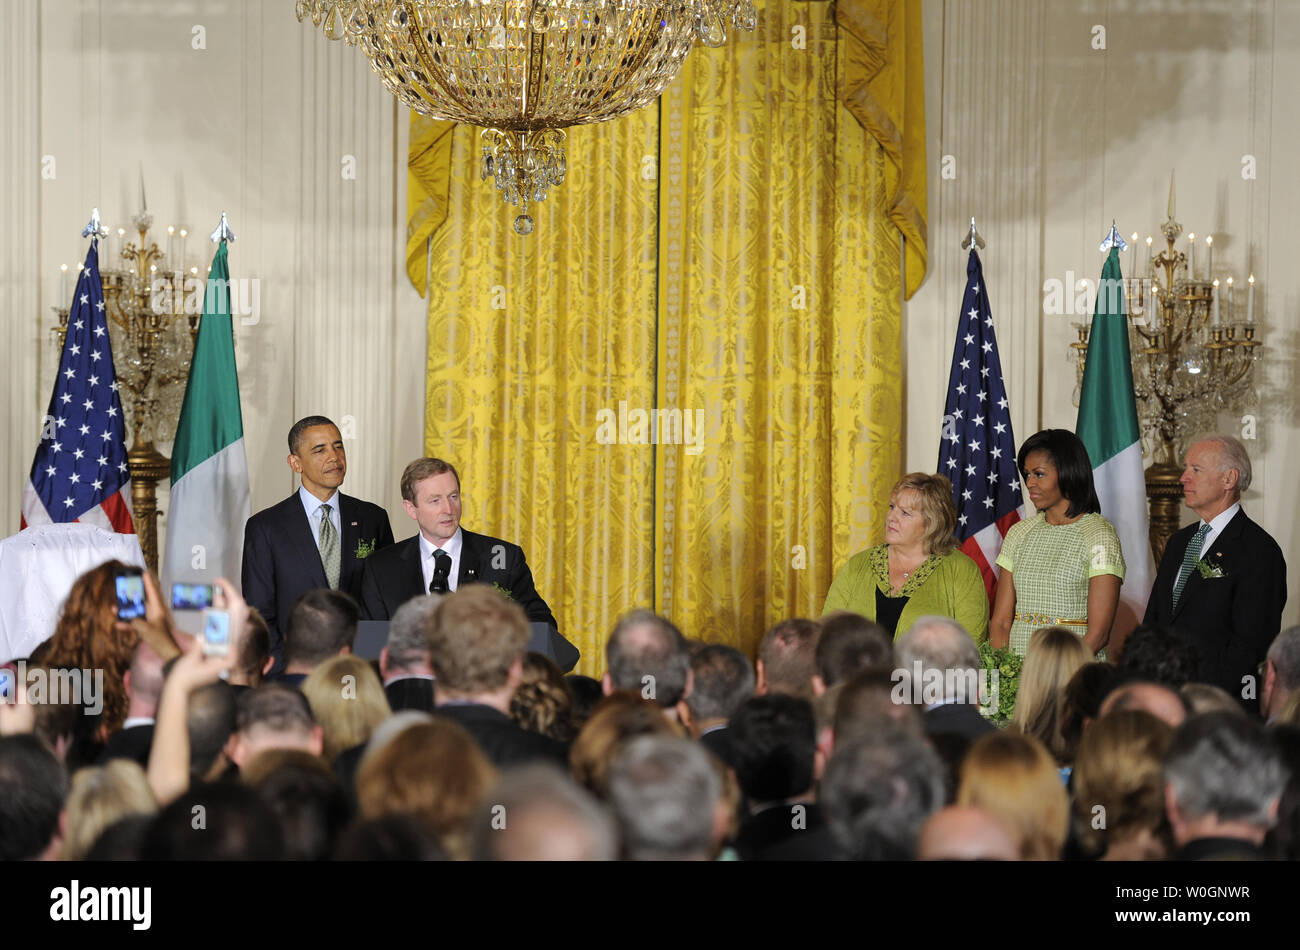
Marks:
<point>317,537</point>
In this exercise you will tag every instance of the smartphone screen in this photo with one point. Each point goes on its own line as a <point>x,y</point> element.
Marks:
<point>191,596</point>
<point>216,632</point>
<point>130,595</point>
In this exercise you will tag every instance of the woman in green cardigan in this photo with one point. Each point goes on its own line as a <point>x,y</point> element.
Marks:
<point>918,570</point>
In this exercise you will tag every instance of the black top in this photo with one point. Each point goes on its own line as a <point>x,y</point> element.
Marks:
<point>888,610</point>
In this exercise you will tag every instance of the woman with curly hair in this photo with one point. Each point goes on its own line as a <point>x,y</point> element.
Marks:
<point>88,636</point>
<point>543,702</point>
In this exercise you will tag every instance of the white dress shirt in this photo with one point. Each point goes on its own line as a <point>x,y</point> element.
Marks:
<point>312,505</point>
<point>1218,524</point>
<point>453,547</point>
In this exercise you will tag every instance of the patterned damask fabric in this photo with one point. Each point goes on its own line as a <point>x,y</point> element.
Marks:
<point>728,255</point>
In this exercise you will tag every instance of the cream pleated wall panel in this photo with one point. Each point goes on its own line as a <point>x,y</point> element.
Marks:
<point>1051,138</point>
<point>229,106</point>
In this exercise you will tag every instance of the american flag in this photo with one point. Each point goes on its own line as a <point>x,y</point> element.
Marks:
<point>977,450</point>
<point>80,470</point>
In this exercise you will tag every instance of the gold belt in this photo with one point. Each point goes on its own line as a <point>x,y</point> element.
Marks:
<point>1045,620</point>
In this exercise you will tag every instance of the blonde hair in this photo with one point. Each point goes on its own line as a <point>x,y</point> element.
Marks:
<point>1054,655</point>
<point>1119,768</point>
<point>1013,778</point>
<point>434,772</point>
<point>618,717</point>
<point>101,796</point>
<point>347,700</point>
<point>1207,698</point>
<point>938,510</point>
<point>476,636</point>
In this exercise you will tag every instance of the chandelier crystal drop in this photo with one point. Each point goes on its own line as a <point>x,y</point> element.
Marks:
<point>525,70</point>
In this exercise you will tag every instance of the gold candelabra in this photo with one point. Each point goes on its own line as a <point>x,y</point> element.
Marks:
<point>1189,362</point>
<point>152,326</point>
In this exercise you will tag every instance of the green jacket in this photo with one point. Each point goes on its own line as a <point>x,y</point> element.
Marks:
<point>949,585</point>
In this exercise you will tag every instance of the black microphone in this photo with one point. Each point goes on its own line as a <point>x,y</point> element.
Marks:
<point>441,571</point>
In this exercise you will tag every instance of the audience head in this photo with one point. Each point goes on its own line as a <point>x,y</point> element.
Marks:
<point>273,717</point>
<point>1118,779</point>
<point>647,653</point>
<point>391,838</point>
<point>1281,672</point>
<point>922,510</point>
<point>1215,473</point>
<point>1223,779</point>
<point>664,791</point>
<point>88,636</point>
<point>219,821</point>
<point>774,747</point>
<point>878,791</point>
<point>543,703</point>
<point>1206,698</point>
<point>587,694</point>
<point>723,679</point>
<point>210,720</point>
<point>1054,655</point>
<point>99,797</point>
<point>433,771</point>
<point>1158,655</point>
<point>1014,778</point>
<point>32,786</point>
<point>849,643</point>
<point>143,682</point>
<point>619,717</point>
<point>867,702</point>
<point>1161,701</point>
<point>407,649</point>
<point>476,645</point>
<point>1081,701</point>
<point>965,833</point>
<point>1059,461</point>
<point>305,797</point>
<point>547,818</point>
<point>322,624</point>
<point>123,840</point>
<point>254,660</point>
<point>787,659</point>
<point>1283,841</point>
<point>347,700</point>
<point>942,652</point>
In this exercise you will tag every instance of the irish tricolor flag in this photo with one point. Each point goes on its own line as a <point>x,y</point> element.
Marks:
<point>1108,426</point>
<point>209,492</point>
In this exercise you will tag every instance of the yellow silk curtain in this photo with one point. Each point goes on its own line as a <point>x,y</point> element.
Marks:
<point>734,251</point>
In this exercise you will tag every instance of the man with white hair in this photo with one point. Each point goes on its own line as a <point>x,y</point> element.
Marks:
<point>938,667</point>
<point>1222,581</point>
<point>1281,673</point>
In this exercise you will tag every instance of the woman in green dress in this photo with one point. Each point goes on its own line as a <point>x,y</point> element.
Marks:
<point>918,570</point>
<point>1064,566</point>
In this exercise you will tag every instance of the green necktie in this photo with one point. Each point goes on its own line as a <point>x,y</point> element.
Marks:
<point>1190,557</point>
<point>329,547</point>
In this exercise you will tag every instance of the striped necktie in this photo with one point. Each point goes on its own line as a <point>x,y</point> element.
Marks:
<point>329,548</point>
<point>1190,557</point>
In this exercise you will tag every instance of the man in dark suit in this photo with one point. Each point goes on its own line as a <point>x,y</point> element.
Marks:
<point>939,668</point>
<point>443,556</point>
<point>317,537</point>
<point>723,680</point>
<point>476,647</point>
<point>143,685</point>
<point>404,661</point>
<point>1222,581</point>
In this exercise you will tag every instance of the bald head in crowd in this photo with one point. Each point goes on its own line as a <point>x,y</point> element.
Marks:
<point>549,818</point>
<point>1161,701</point>
<point>649,656</point>
<point>143,682</point>
<point>965,833</point>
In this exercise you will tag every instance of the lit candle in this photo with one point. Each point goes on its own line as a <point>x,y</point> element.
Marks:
<point>121,246</point>
<point>1250,301</point>
<point>63,286</point>
<point>1216,303</point>
<point>1231,311</point>
<point>1133,258</point>
<point>1191,257</point>
<point>181,262</point>
<point>1148,255</point>
<point>1209,256</point>
<point>171,243</point>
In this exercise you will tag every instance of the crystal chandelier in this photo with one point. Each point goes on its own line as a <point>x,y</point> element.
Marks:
<point>525,70</point>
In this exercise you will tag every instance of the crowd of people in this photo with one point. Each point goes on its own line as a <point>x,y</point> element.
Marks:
<point>863,734</point>
<point>458,744</point>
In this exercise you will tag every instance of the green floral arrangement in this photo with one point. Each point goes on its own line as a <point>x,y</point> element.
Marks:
<point>503,591</point>
<point>1007,664</point>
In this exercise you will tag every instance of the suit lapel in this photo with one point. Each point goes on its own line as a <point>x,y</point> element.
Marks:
<point>299,531</point>
<point>348,517</point>
<point>1224,543</point>
<point>471,570</point>
<point>412,570</point>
